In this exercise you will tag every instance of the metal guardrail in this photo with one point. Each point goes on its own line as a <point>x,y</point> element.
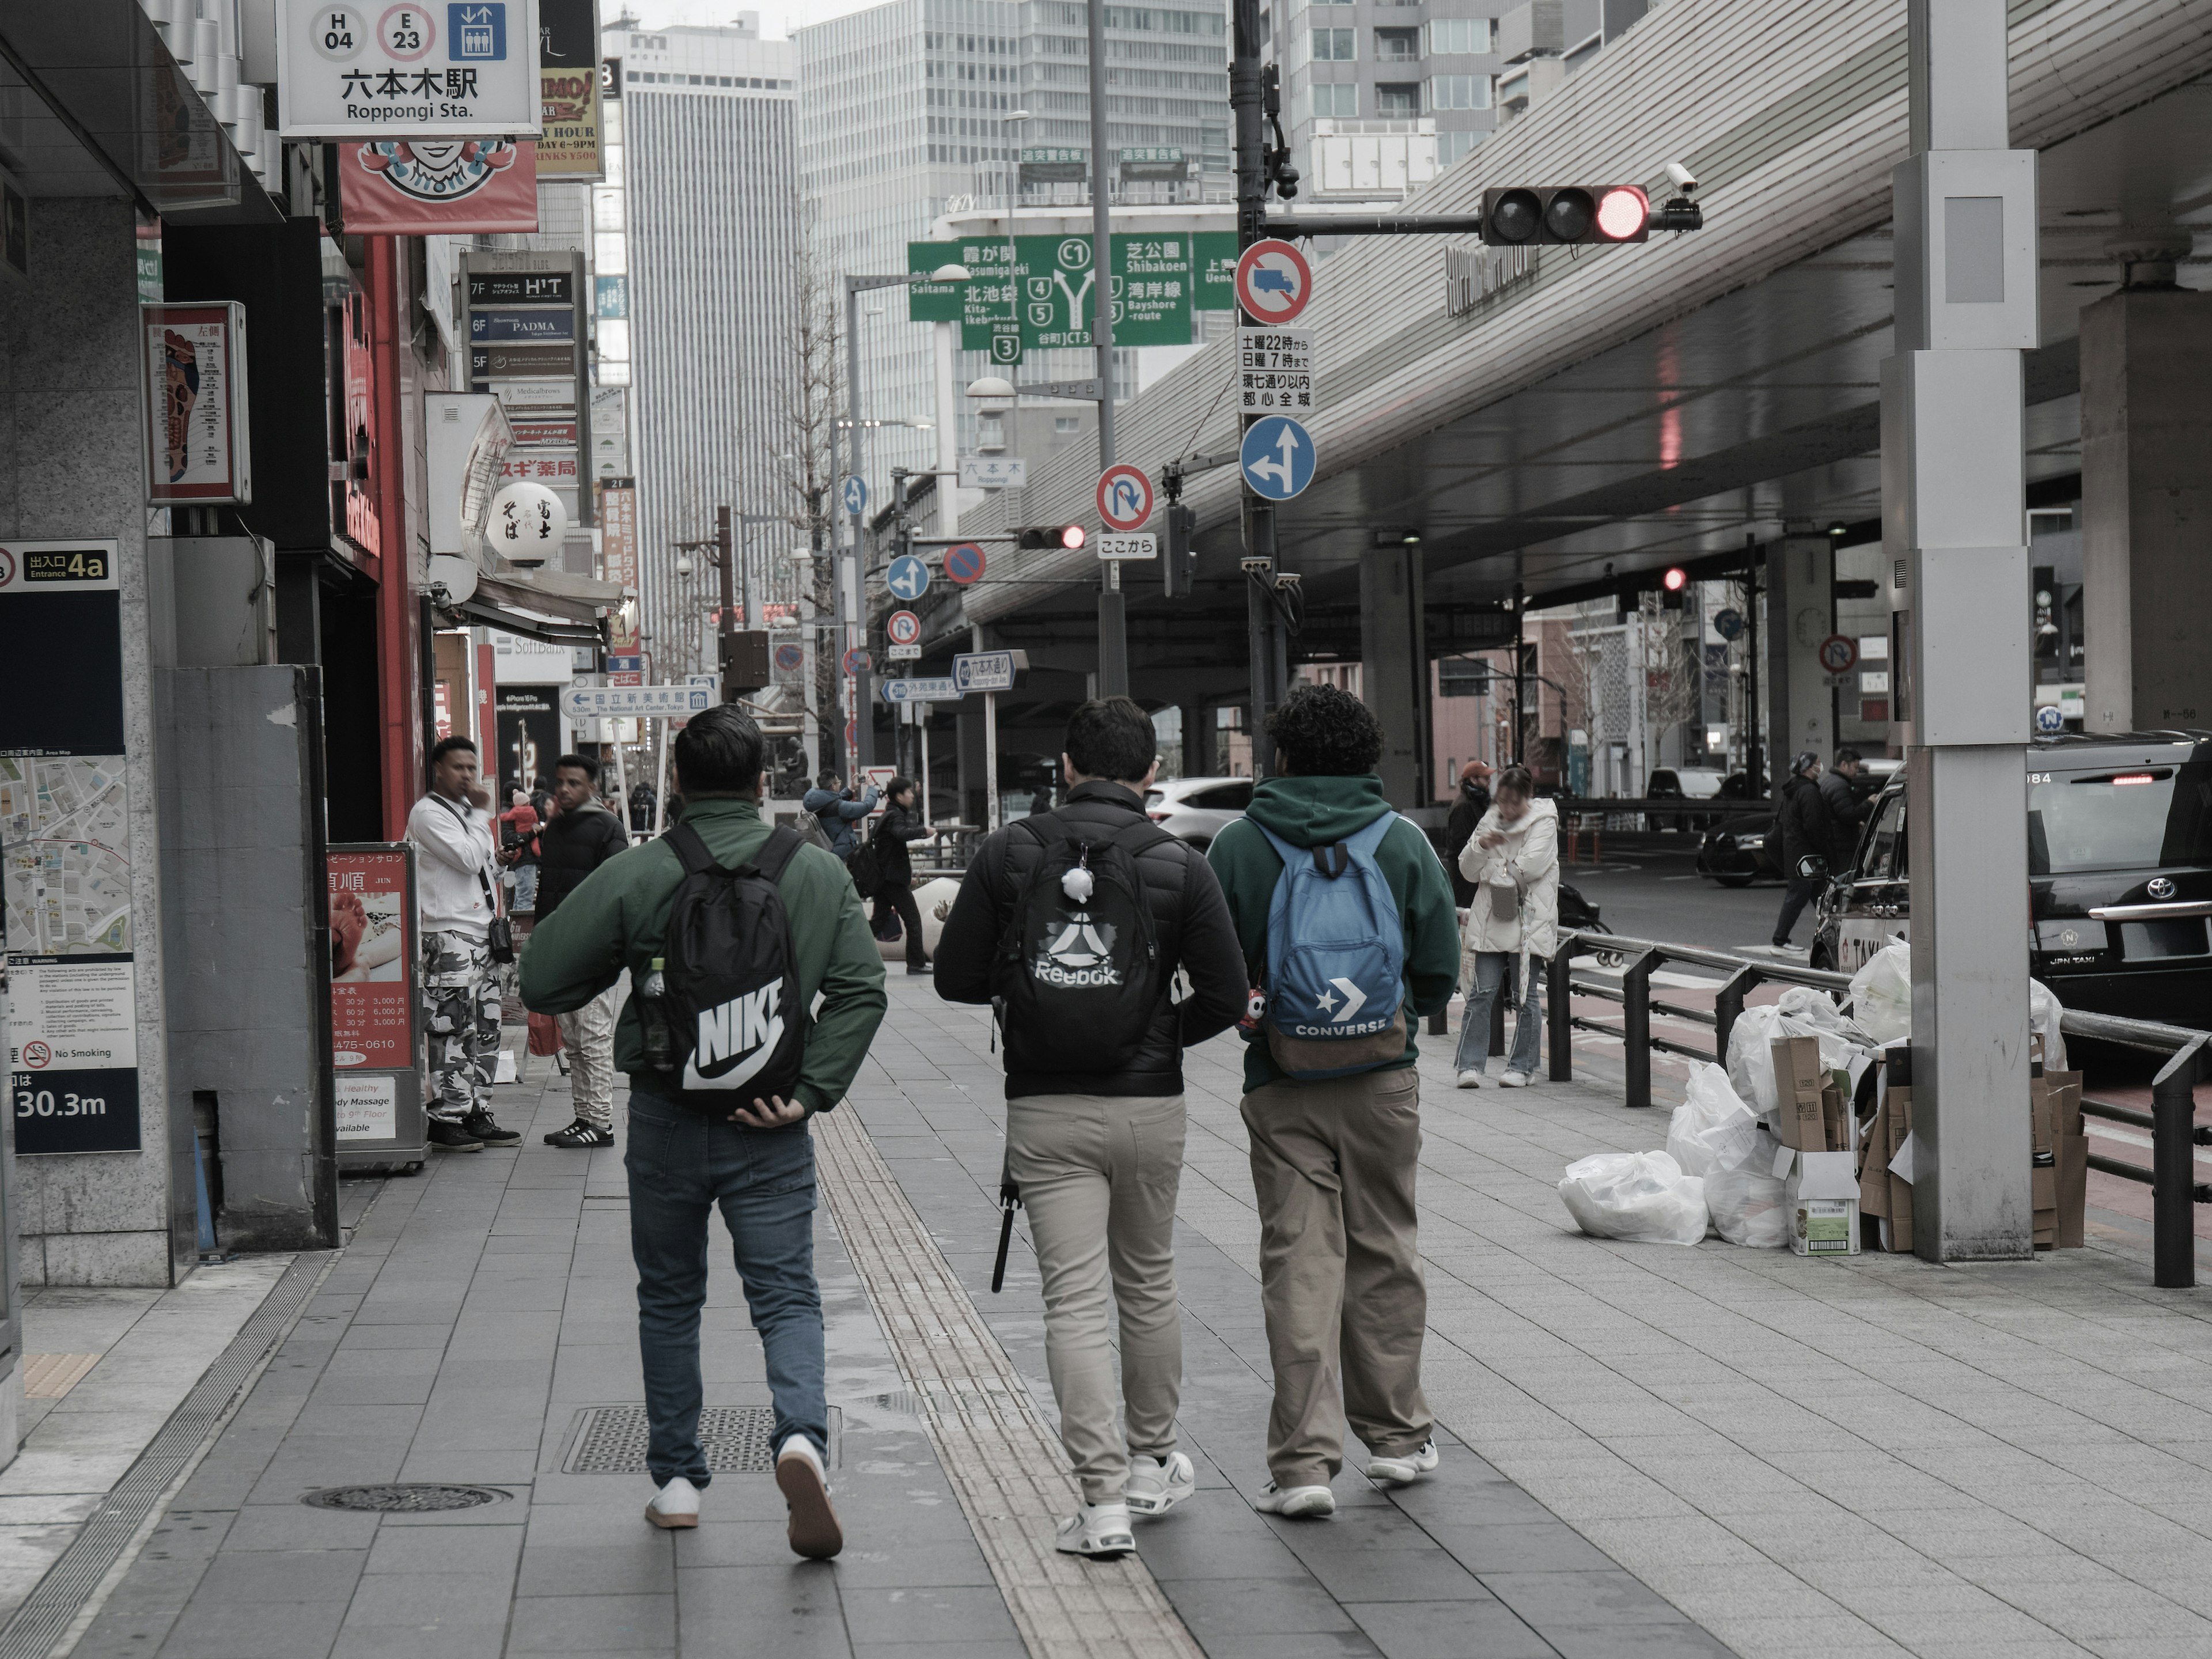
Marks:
<point>2171,1177</point>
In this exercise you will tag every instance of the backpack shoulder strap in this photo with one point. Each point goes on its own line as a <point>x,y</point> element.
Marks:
<point>688,846</point>
<point>1139,838</point>
<point>776,852</point>
<point>1369,840</point>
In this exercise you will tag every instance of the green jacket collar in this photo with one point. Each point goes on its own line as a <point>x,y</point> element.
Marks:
<point>1317,812</point>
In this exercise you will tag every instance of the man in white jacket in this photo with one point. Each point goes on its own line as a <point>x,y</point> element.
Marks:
<point>455,865</point>
<point>1513,859</point>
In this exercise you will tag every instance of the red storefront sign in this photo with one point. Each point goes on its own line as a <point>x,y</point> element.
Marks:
<point>372,953</point>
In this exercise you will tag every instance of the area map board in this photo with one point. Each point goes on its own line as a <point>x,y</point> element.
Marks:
<point>1160,280</point>
<point>72,1031</point>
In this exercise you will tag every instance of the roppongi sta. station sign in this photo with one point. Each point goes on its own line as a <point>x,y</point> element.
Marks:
<point>454,69</point>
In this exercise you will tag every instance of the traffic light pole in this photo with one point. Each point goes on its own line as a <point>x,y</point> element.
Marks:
<point>726,635</point>
<point>1112,614</point>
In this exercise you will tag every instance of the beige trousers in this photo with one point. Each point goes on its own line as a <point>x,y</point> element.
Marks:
<point>1098,1174</point>
<point>1332,1166</point>
<point>589,1034</point>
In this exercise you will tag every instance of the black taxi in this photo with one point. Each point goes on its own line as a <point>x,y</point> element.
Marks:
<point>2120,868</point>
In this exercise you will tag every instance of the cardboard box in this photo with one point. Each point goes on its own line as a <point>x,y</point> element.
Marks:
<point>1821,1204</point>
<point>1897,1235</point>
<point>1798,1082</point>
<point>2071,1142</point>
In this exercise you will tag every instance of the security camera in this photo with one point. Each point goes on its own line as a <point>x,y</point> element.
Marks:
<point>1683,179</point>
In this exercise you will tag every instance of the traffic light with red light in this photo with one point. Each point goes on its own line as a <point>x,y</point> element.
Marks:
<point>1524,216</point>
<point>1672,588</point>
<point>1067,536</point>
<point>1179,559</point>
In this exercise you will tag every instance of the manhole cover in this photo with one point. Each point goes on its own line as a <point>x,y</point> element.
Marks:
<point>611,1440</point>
<point>403,1498</point>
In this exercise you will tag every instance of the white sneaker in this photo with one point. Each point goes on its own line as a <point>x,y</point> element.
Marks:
<point>1100,1531</point>
<point>675,1505</point>
<point>1403,1471</point>
<point>812,1526</point>
<point>1515,1080</point>
<point>1470,1079</point>
<point>1156,1487</point>
<point>1292,1501</point>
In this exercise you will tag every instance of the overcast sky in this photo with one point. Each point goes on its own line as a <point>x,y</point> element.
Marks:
<point>778,17</point>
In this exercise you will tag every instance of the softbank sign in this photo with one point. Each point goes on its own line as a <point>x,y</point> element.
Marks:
<point>741,1034</point>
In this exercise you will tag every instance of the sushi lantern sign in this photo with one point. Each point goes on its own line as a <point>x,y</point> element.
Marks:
<point>527,524</point>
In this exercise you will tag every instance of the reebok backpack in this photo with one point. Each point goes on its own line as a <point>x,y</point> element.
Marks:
<point>1336,959</point>
<point>1078,980</point>
<point>732,996</point>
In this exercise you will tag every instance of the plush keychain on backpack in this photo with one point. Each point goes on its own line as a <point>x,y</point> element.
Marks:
<point>1077,883</point>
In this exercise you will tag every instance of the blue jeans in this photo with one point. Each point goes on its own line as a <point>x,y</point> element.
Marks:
<point>1491,968</point>
<point>682,1164</point>
<point>525,888</point>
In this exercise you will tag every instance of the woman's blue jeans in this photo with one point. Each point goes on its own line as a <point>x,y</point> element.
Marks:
<point>682,1164</point>
<point>1491,968</point>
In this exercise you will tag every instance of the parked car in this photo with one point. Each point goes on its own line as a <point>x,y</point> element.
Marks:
<point>1741,846</point>
<point>1196,809</point>
<point>2120,868</point>
<point>1682,783</point>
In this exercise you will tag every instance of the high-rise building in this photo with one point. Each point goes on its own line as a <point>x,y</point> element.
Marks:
<point>696,240</point>
<point>903,116</point>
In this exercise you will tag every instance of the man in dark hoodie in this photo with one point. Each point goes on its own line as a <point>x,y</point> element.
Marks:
<point>1333,1161</point>
<point>1808,838</point>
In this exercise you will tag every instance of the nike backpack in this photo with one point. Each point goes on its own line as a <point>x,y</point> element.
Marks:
<point>1078,971</point>
<point>731,997</point>
<point>1336,959</point>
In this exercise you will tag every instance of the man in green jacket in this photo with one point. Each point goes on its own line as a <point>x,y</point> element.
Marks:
<point>1333,1162</point>
<point>687,1151</point>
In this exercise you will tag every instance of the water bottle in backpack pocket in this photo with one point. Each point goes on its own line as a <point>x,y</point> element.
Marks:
<point>1077,976</point>
<point>1336,959</point>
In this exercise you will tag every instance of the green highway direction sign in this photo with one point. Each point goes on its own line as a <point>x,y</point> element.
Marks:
<point>1158,281</point>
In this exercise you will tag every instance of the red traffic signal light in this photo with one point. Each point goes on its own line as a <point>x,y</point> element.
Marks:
<point>1524,216</point>
<point>1676,579</point>
<point>1068,536</point>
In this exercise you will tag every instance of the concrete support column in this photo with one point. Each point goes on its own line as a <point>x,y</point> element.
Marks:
<point>2145,509</point>
<point>969,755</point>
<point>1953,509</point>
<point>1801,613</point>
<point>1198,740</point>
<point>1393,673</point>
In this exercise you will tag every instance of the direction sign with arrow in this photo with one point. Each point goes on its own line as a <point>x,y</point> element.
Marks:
<point>904,628</point>
<point>963,564</point>
<point>1274,281</point>
<point>1125,497</point>
<point>1277,457</point>
<point>854,494</point>
<point>908,577</point>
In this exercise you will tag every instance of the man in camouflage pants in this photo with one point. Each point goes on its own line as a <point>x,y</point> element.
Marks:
<point>454,870</point>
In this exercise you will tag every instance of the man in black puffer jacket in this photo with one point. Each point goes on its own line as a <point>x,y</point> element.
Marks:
<point>1097,1154</point>
<point>1802,822</point>
<point>576,840</point>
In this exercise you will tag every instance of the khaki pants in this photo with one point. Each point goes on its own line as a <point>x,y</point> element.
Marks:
<point>1332,1166</point>
<point>1098,1174</point>
<point>589,1034</point>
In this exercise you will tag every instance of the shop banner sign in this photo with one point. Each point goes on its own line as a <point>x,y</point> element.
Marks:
<point>618,561</point>
<point>452,69</point>
<point>199,447</point>
<point>438,187</point>
<point>66,853</point>
<point>568,88</point>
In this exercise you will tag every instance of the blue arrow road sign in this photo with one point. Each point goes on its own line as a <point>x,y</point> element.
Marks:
<point>1277,457</point>
<point>941,689</point>
<point>856,493</point>
<point>908,577</point>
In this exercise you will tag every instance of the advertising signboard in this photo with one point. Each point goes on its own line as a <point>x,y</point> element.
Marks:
<point>462,69</point>
<point>374,1042</point>
<point>568,88</point>
<point>438,187</point>
<point>618,560</point>
<point>197,448</point>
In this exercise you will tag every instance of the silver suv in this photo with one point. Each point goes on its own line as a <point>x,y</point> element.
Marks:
<point>1196,809</point>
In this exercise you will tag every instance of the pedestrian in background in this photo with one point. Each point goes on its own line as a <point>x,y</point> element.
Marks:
<point>1846,807</point>
<point>1469,802</point>
<point>1095,1118</point>
<point>839,810</point>
<point>581,836</point>
<point>1512,863</point>
<point>899,826</point>
<point>1334,1161</point>
<point>1800,819</point>
<point>519,850</point>
<point>452,829</point>
<point>728,1058</point>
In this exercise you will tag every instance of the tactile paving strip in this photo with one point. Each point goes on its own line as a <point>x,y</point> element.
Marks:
<point>1005,1466</point>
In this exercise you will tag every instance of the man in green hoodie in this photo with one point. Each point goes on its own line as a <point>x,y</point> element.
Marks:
<point>688,1151</point>
<point>1334,1161</point>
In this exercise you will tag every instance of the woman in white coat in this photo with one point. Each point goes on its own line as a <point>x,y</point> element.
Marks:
<point>1513,859</point>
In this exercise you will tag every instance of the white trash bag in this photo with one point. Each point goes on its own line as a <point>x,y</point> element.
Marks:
<point>1882,994</point>
<point>1642,1197</point>
<point>1803,1010</point>
<point>2043,1012</point>
<point>1749,1207</point>
<point>1713,1128</point>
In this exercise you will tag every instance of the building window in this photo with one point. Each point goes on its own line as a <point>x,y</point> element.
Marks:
<point>1397,46</point>
<point>1451,146</point>
<point>1397,100</point>
<point>1333,45</point>
<point>1458,34</point>
<point>1459,92</point>
<point>1339,103</point>
<point>1062,424</point>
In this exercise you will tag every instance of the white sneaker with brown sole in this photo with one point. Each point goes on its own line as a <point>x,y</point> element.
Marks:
<point>675,1505</point>
<point>814,1532</point>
